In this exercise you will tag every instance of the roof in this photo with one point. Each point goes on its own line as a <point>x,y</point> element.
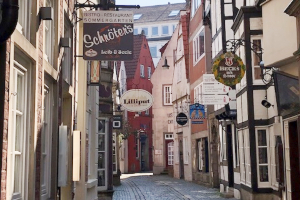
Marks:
<point>131,65</point>
<point>158,12</point>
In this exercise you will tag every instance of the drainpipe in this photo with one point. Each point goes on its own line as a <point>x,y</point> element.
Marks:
<point>9,18</point>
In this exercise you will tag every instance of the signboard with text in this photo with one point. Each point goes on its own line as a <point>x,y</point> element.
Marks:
<point>107,35</point>
<point>229,69</point>
<point>136,100</point>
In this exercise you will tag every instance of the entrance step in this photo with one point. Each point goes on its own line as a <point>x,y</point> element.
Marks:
<point>228,194</point>
<point>165,172</point>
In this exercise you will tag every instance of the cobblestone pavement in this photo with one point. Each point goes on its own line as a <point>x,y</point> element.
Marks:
<point>146,186</point>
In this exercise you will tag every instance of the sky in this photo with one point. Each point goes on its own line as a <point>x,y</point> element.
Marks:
<point>147,2</point>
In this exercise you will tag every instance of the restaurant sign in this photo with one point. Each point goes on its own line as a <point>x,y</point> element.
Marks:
<point>107,35</point>
<point>229,69</point>
<point>136,100</point>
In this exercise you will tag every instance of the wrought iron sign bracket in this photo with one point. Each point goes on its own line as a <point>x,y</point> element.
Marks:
<point>266,72</point>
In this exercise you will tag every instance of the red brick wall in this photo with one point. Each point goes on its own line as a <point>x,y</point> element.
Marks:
<point>5,123</point>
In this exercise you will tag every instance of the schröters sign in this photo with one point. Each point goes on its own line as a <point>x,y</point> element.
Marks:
<point>229,69</point>
<point>136,100</point>
<point>107,35</point>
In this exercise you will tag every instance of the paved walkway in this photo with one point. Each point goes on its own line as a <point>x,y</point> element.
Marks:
<point>146,186</point>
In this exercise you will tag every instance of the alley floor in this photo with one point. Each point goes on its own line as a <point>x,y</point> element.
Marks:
<point>146,186</point>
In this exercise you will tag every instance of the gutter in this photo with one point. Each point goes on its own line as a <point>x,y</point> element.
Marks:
<point>9,18</point>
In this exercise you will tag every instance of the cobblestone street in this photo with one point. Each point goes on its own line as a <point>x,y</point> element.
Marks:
<point>145,186</point>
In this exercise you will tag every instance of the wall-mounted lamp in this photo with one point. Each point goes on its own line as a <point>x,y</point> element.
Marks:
<point>166,66</point>
<point>266,104</point>
<point>65,42</point>
<point>46,13</point>
<point>266,72</point>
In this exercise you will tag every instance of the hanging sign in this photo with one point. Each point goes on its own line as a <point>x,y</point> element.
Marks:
<point>229,69</point>
<point>107,35</point>
<point>136,100</point>
<point>197,113</point>
<point>181,119</point>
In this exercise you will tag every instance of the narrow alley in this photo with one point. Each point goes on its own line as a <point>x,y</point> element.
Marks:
<point>146,186</point>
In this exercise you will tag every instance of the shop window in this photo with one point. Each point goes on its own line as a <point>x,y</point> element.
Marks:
<point>262,154</point>
<point>102,153</point>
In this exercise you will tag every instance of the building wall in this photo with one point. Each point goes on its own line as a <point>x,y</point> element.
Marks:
<point>162,114</point>
<point>275,22</point>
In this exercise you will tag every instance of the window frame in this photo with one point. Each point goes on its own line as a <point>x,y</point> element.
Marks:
<point>171,153</point>
<point>146,31</point>
<point>142,71</point>
<point>152,28</point>
<point>149,72</point>
<point>197,56</point>
<point>67,63</point>
<point>200,154</point>
<point>163,31</point>
<point>25,72</point>
<point>151,52</point>
<point>165,95</point>
<point>253,56</point>
<point>267,147</point>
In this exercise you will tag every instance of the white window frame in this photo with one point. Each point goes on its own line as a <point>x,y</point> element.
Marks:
<point>149,72</point>
<point>18,69</point>
<point>46,140</point>
<point>49,36</point>
<point>167,91</point>
<point>115,152</point>
<point>152,31</point>
<point>105,133</point>
<point>162,30</point>
<point>153,48</point>
<point>24,18</point>
<point>197,55</point>
<point>267,183</point>
<point>200,155</point>
<point>142,70</point>
<point>242,160</point>
<point>195,5</point>
<point>185,151</point>
<point>224,133</point>
<point>247,157</point>
<point>256,65</point>
<point>171,153</point>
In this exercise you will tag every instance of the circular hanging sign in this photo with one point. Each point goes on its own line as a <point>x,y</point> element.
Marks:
<point>229,69</point>
<point>136,100</point>
<point>181,119</point>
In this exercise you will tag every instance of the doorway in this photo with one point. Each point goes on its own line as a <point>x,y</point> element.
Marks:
<point>294,160</point>
<point>230,156</point>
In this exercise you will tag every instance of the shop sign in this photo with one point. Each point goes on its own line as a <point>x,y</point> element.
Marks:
<point>181,119</point>
<point>136,100</point>
<point>117,121</point>
<point>229,69</point>
<point>107,35</point>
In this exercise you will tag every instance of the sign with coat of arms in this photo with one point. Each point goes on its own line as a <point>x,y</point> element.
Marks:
<point>229,69</point>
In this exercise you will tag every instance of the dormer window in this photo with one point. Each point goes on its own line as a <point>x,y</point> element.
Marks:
<point>137,16</point>
<point>173,13</point>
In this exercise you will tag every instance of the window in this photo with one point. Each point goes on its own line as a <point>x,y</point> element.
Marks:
<point>135,31</point>
<point>137,16</point>
<point>46,137</point>
<point>165,30</point>
<point>198,93</point>
<point>247,157</point>
<point>49,36</point>
<point>200,155</point>
<point>67,62</point>
<point>145,30</point>
<point>198,46</point>
<point>262,154</point>
<point>19,117</point>
<point>154,31</point>
<point>24,17</point>
<point>149,72</point>
<point>203,161</point>
<point>185,150</point>
<point>89,126</point>
<point>195,5</point>
<point>114,153</point>
<point>256,60</point>
<point>242,160</point>
<point>142,71</point>
<point>179,71</point>
<point>173,13</point>
<point>147,112</point>
<point>171,153</point>
<point>102,149</point>
<point>153,51</point>
<point>167,95</point>
<point>137,146</point>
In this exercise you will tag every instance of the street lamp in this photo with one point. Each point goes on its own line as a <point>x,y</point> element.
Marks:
<point>166,66</point>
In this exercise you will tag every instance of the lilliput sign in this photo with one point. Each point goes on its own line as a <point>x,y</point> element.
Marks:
<point>136,100</point>
<point>229,69</point>
<point>107,35</point>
